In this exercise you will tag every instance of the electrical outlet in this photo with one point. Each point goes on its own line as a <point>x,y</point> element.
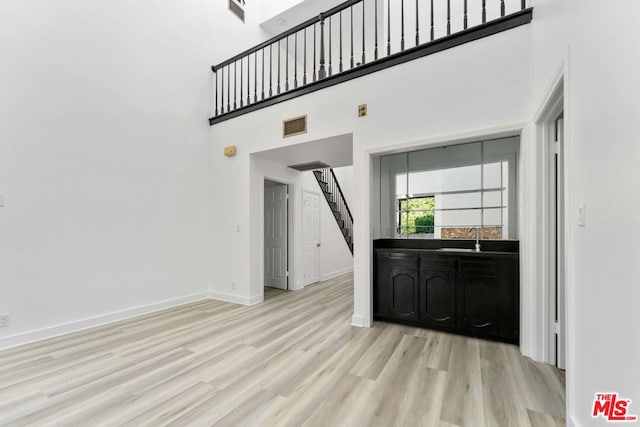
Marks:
<point>4,320</point>
<point>233,286</point>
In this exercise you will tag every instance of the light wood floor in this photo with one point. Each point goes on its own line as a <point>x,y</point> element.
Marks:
<point>292,361</point>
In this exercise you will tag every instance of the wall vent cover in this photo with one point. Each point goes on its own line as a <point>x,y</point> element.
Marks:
<point>294,126</point>
<point>309,166</point>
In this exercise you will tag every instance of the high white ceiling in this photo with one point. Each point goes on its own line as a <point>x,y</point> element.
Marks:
<point>335,151</point>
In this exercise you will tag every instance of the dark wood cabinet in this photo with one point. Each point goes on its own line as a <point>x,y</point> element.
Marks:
<point>478,303</point>
<point>473,295</point>
<point>403,294</point>
<point>400,273</point>
<point>437,291</point>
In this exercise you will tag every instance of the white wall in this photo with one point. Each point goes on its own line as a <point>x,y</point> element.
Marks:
<point>270,9</point>
<point>601,120</point>
<point>427,98</point>
<point>105,157</point>
<point>277,16</point>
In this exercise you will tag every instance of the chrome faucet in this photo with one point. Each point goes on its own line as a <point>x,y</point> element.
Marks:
<point>477,238</point>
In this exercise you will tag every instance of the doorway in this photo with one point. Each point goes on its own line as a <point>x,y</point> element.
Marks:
<point>311,236</point>
<point>276,269</point>
<point>557,262</point>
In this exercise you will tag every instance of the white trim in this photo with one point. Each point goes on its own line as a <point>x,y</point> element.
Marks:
<point>359,321</point>
<point>255,299</point>
<point>528,218</point>
<point>334,274</point>
<point>236,299</point>
<point>570,228</point>
<point>92,322</point>
<point>550,92</point>
<point>451,139</point>
<point>562,78</point>
<point>544,122</point>
<point>535,314</point>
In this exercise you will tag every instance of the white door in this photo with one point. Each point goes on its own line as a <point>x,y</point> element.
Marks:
<point>311,236</point>
<point>275,235</point>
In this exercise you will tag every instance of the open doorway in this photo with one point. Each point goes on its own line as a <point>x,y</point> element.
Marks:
<point>554,238</point>
<point>276,253</point>
<point>557,262</point>
<point>282,165</point>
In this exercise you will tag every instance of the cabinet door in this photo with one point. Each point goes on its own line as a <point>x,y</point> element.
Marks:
<point>478,303</point>
<point>403,294</point>
<point>381,285</point>
<point>437,298</point>
<point>509,299</point>
<point>388,265</point>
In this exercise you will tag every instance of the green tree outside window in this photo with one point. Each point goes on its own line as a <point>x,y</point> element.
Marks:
<point>417,215</point>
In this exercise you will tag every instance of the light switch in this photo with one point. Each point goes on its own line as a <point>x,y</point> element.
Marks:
<point>1,200</point>
<point>582,214</point>
<point>238,228</point>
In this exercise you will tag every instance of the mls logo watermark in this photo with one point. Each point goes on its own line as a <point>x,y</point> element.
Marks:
<point>613,409</point>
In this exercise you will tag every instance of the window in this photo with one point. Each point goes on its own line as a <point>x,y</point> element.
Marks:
<point>416,215</point>
<point>451,192</point>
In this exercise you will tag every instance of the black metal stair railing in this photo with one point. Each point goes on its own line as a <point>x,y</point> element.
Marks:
<point>352,39</point>
<point>337,203</point>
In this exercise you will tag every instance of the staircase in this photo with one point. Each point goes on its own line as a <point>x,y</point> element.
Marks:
<point>335,198</point>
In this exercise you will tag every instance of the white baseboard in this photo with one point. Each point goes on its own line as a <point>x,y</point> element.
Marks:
<point>256,299</point>
<point>334,274</point>
<point>359,321</point>
<point>235,299</point>
<point>79,325</point>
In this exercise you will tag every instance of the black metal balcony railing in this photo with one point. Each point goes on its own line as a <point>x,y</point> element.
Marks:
<point>353,39</point>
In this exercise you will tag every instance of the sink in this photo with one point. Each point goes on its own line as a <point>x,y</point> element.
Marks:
<point>456,249</point>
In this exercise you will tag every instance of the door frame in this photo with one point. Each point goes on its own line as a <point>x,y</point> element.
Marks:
<point>545,123</point>
<point>555,231</point>
<point>288,229</point>
<point>320,198</point>
<point>557,244</point>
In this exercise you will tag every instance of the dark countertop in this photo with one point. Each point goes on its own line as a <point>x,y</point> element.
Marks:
<point>460,252</point>
<point>502,248</point>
